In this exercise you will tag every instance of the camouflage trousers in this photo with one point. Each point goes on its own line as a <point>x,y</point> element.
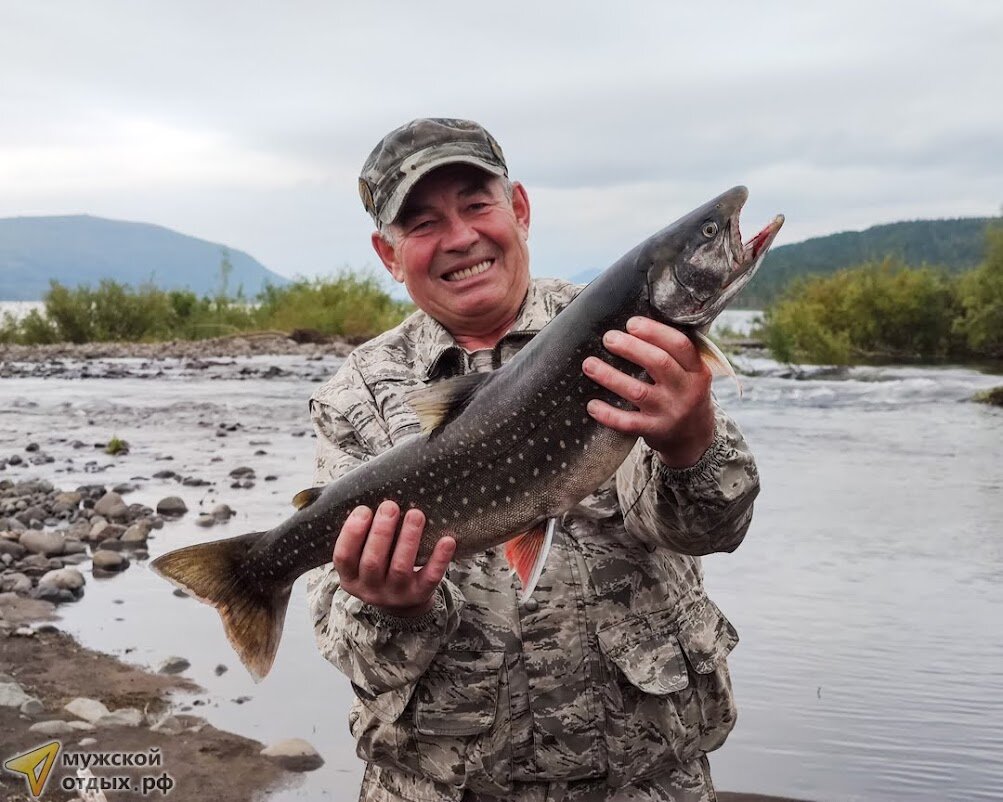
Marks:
<point>690,782</point>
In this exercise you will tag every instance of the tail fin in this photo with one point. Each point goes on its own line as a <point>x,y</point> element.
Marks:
<point>215,573</point>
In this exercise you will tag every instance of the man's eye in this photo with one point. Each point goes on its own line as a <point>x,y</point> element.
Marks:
<point>478,206</point>
<point>421,225</point>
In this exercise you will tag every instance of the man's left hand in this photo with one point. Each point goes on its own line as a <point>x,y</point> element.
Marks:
<point>675,414</point>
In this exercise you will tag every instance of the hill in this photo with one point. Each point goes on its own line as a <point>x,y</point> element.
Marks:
<point>956,245</point>
<point>81,249</point>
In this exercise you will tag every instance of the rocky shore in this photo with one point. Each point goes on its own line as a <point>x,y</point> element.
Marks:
<point>52,688</point>
<point>298,343</point>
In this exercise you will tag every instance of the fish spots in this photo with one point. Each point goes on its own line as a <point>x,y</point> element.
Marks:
<point>561,444</point>
<point>483,488</point>
<point>536,471</point>
<point>464,501</point>
<point>438,499</point>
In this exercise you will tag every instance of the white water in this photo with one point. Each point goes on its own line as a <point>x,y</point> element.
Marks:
<point>868,593</point>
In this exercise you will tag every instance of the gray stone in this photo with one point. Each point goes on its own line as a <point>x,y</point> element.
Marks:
<point>81,726</point>
<point>107,560</point>
<point>222,512</point>
<point>205,520</point>
<point>66,502</point>
<point>13,549</point>
<point>139,532</point>
<point>294,754</point>
<point>51,728</point>
<point>87,742</point>
<point>13,695</point>
<point>50,544</point>
<point>88,709</point>
<point>73,547</point>
<point>174,665</point>
<point>124,717</point>
<point>32,707</point>
<point>112,507</point>
<point>168,725</point>
<point>15,582</point>
<point>64,579</point>
<point>172,507</point>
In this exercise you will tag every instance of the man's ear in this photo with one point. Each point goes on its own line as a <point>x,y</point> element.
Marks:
<point>388,255</point>
<point>520,205</point>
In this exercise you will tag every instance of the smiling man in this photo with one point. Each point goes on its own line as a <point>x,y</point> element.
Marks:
<point>610,682</point>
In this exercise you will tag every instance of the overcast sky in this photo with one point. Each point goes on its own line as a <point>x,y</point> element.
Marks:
<point>246,122</point>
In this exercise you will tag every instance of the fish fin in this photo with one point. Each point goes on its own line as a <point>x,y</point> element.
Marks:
<point>214,573</point>
<point>437,404</point>
<point>527,553</point>
<point>715,358</point>
<point>307,497</point>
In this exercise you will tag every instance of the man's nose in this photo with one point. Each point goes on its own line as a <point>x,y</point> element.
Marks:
<point>460,235</point>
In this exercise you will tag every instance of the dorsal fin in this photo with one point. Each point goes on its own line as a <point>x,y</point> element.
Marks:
<point>307,497</point>
<point>437,404</point>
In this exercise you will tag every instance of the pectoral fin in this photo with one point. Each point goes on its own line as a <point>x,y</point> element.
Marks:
<point>527,553</point>
<point>715,358</point>
<point>439,403</point>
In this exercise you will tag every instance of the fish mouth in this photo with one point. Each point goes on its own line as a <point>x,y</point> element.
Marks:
<point>745,258</point>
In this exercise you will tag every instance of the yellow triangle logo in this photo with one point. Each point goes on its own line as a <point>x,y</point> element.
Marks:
<point>35,766</point>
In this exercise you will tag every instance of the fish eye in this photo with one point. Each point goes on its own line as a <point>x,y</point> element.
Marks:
<point>709,229</point>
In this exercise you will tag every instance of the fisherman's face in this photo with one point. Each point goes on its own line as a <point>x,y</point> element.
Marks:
<point>459,246</point>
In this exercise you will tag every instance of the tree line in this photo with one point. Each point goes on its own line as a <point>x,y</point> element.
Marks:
<point>889,309</point>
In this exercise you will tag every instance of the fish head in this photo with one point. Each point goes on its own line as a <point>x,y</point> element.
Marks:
<point>699,263</point>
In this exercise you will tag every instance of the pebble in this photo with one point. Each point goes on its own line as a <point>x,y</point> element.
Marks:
<point>88,709</point>
<point>112,507</point>
<point>13,695</point>
<point>205,519</point>
<point>51,728</point>
<point>294,754</point>
<point>48,543</point>
<point>63,579</point>
<point>124,717</point>
<point>107,560</point>
<point>32,707</point>
<point>174,665</point>
<point>172,507</point>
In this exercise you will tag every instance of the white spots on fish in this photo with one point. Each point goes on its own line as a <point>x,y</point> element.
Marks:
<point>494,503</point>
<point>564,465</point>
<point>443,521</point>
<point>536,471</point>
<point>456,513</point>
<point>464,501</point>
<point>508,499</point>
<point>511,480</point>
<point>549,458</point>
<point>530,442</point>
<point>438,499</point>
<point>508,460</point>
<point>483,488</point>
<point>497,487</point>
<point>561,443</point>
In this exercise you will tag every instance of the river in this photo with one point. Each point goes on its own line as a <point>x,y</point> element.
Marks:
<point>868,593</point>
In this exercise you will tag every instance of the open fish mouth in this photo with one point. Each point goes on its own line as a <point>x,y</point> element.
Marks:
<point>748,256</point>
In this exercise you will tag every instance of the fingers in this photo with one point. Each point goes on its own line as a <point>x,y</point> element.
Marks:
<point>657,348</point>
<point>351,539</point>
<point>375,557</point>
<point>627,387</point>
<point>401,569</point>
<point>434,570</point>
<point>619,419</point>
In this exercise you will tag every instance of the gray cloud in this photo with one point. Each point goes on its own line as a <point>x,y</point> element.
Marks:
<point>247,123</point>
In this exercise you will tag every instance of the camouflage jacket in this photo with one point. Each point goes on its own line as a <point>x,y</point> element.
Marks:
<point>614,668</point>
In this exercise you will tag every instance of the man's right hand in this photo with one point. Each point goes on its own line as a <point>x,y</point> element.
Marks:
<point>372,568</point>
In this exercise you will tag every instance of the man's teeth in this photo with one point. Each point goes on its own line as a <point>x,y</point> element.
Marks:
<point>467,272</point>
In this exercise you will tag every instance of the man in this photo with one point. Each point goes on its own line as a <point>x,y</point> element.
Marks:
<point>610,681</point>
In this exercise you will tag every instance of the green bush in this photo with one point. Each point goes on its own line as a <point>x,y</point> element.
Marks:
<point>349,305</point>
<point>980,295</point>
<point>881,309</point>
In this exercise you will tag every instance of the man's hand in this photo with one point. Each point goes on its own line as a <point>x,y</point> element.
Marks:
<point>373,568</point>
<point>675,415</point>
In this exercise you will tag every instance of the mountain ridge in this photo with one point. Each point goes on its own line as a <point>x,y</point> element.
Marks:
<point>84,249</point>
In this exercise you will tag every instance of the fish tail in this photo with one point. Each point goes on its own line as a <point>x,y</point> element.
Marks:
<point>215,573</point>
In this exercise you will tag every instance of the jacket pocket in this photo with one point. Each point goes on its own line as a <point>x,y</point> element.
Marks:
<point>462,722</point>
<point>667,696</point>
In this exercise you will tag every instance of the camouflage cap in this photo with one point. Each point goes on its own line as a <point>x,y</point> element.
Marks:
<point>410,152</point>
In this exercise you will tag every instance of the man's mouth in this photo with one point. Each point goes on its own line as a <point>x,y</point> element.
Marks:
<point>467,272</point>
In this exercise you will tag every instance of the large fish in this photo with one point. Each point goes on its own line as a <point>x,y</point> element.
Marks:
<point>502,454</point>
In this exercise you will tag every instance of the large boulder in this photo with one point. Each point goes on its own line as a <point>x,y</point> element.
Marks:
<point>49,544</point>
<point>88,709</point>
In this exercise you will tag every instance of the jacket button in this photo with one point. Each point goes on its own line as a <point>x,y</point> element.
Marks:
<point>531,605</point>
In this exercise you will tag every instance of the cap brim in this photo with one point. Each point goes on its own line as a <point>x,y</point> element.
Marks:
<point>393,205</point>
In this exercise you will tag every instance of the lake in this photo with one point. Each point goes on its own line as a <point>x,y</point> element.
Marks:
<point>868,593</point>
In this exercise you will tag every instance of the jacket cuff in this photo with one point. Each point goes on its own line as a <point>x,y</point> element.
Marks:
<point>706,468</point>
<point>400,623</point>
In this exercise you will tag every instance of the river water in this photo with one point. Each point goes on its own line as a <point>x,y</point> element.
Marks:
<point>868,593</point>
